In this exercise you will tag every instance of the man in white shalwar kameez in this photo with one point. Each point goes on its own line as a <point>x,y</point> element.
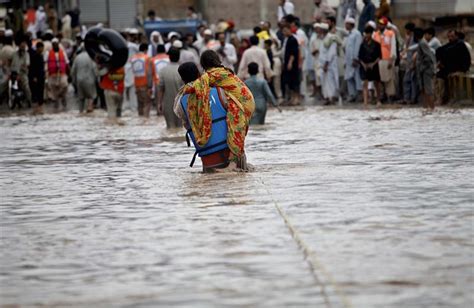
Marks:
<point>130,96</point>
<point>328,66</point>
<point>306,65</point>
<point>314,47</point>
<point>351,54</point>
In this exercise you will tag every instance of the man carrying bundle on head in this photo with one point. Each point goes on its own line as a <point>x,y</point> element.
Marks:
<point>110,60</point>
<point>209,101</point>
<point>112,82</point>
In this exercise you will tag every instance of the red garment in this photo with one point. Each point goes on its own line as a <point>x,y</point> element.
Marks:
<point>217,159</point>
<point>31,16</point>
<point>57,65</point>
<point>385,41</point>
<point>113,80</point>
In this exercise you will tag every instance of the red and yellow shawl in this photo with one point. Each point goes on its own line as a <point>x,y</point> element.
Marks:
<point>240,107</point>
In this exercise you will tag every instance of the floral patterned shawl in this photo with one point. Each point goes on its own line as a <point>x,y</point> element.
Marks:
<point>240,107</point>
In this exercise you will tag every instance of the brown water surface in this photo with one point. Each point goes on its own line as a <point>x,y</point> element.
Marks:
<point>96,215</point>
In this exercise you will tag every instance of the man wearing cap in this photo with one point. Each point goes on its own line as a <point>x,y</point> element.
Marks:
<point>57,66</point>
<point>351,66</point>
<point>155,40</point>
<point>172,36</point>
<point>207,42</point>
<point>369,56</point>
<point>40,21</point>
<point>387,41</point>
<point>328,67</point>
<point>185,55</point>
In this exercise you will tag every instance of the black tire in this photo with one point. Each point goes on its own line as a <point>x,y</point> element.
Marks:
<point>117,44</point>
<point>91,42</point>
<point>114,55</point>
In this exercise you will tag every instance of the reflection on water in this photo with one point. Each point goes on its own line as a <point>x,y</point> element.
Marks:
<point>96,215</point>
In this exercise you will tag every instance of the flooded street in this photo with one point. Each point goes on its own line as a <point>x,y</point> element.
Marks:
<point>345,208</point>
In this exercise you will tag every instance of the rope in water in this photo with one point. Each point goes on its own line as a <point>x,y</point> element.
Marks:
<point>310,257</point>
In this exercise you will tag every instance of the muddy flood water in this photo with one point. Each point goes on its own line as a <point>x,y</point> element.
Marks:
<point>345,208</point>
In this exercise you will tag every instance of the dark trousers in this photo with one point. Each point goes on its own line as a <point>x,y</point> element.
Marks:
<point>99,101</point>
<point>37,91</point>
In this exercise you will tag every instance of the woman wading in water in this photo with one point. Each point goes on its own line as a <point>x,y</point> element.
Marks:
<point>206,101</point>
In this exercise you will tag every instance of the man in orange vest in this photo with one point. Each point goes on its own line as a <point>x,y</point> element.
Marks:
<point>112,82</point>
<point>142,71</point>
<point>158,62</point>
<point>387,40</point>
<point>57,64</point>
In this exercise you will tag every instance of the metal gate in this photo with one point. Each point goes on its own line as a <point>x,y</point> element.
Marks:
<point>122,13</point>
<point>93,12</point>
<point>116,14</point>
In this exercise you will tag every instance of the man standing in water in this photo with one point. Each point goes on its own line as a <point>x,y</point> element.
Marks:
<point>83,74</point>
<point>36,76</point>
<point>369,56</point>
<point>157,63</point>
<point>168,87</point>
<point>290,76</point>
<point>261,93</point>
<point>351,53</point>
<point>19,67</point>
<point>112,82</point>
<point>328,66</point>
<point>201,110</point>
<point>57,63</point>
<point>386,39</point>
<point>143,80</point>
<point>425,69</point>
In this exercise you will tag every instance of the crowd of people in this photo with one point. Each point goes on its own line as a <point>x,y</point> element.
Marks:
<point>348,55</point>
